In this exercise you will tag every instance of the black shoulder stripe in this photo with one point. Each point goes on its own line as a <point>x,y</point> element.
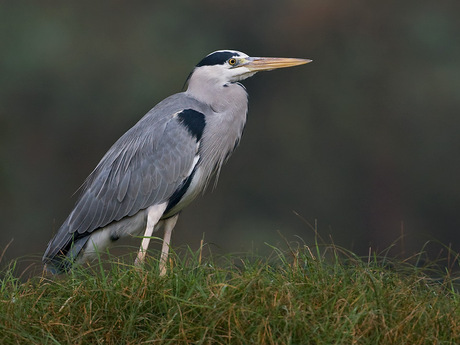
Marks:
<point>194,121</point>
<point>180,192</point>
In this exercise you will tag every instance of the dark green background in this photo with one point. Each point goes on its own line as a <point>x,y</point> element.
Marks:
<point>365,139</point>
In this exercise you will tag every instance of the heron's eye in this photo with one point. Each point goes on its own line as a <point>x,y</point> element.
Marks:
<point>232,62</point>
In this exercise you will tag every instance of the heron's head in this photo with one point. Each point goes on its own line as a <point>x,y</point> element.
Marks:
<point>229,66</point>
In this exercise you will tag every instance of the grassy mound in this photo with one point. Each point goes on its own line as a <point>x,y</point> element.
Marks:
<point>301,296</point>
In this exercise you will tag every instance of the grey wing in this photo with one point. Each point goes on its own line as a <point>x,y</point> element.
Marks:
<point>143,168</point>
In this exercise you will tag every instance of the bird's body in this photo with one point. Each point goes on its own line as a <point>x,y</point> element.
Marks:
<point>158,166</point>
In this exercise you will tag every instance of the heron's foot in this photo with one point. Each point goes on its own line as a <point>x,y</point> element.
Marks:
<point>140,258</point>
<point>162,268</point>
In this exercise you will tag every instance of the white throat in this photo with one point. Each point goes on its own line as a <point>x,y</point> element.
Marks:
<point>216,86</point>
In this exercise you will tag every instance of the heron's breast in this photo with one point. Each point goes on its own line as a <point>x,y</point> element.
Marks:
<point>197,185</point>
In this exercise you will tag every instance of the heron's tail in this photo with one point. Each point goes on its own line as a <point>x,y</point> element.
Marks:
<point>62,251</point>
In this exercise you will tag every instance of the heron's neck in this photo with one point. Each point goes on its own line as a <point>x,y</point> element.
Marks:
<point>219,97</point>
<point>220,94</point>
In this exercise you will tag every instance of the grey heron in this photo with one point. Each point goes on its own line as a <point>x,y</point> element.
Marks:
<point>162,163</point>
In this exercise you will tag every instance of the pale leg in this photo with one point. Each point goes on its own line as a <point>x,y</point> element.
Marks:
<point>169,226</point>
<point>154,214</point>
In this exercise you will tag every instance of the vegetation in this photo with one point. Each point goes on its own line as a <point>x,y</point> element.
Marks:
<point>301,296</point>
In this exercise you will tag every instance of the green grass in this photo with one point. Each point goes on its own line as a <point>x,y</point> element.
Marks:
<point>320,295</point>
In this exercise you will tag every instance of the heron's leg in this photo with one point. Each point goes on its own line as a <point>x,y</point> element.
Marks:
<point>154,214</point>
<point>169,226</point>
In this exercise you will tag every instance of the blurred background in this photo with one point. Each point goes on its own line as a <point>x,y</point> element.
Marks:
<point>363,142</point>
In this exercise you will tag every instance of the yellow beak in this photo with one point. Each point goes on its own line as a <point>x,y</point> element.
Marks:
<point>256,64</point>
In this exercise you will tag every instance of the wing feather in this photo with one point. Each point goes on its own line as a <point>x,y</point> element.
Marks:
<point>143,168</point>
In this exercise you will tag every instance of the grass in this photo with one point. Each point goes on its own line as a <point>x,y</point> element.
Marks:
<point>303,295</point>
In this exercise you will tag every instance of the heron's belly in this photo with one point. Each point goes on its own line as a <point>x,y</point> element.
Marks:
<point>103,237</point>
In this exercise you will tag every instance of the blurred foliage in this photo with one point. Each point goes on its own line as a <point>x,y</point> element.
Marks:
<point>364,139</point>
